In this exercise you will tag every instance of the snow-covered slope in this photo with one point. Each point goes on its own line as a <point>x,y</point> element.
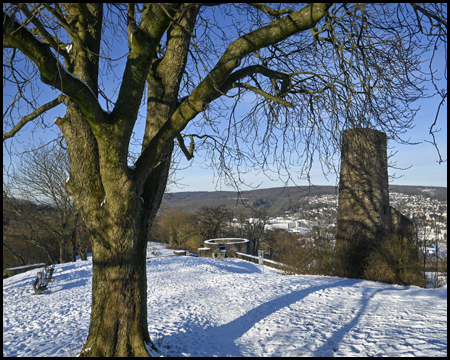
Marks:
<point>209,307</point>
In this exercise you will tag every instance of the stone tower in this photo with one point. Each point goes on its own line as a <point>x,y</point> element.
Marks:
<point>364,216</point>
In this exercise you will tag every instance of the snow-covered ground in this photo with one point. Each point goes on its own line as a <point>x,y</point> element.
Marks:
<point>209,307</point>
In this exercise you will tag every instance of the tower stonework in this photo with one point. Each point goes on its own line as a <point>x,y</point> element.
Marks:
<point>363,183</point>
<point>368,227</point>
<point>364,213</point>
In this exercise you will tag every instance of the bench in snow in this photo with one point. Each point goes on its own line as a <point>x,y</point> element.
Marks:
<point>40,284</point>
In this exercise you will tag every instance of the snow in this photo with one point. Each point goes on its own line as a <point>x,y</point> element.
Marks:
<point>180,100</point>
<point>25,266</point>
<point>301,230</point>
<point>209,307</point>
<point>264,260</point>
<point>24,27</point>
<point>75,77</point>
<point>68,48</point>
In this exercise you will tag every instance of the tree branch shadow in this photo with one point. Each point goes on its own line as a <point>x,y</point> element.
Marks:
<point>210,340</point>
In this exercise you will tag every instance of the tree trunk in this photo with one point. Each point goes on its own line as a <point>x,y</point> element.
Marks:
<point>118,216</point>
<point>119,294</point>
<point>73,238</point>
<point>119,285</point>
<point>62,251</point>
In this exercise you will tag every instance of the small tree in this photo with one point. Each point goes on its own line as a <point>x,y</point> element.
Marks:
<point>324,252</point>
<point>41,179</point>
<point>178,229</point>
<point>252,224</point>
<point>23,235</point>
<point>291,253</point>
<point>213,221</point>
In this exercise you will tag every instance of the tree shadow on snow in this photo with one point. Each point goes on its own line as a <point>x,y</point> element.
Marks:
<point>331,344</point>
<point>210,340</point>
<point>238,267</point>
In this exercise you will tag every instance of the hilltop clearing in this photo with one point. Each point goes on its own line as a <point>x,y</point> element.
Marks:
<point>209,307</point>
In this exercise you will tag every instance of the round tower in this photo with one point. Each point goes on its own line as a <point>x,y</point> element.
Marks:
<point>364,215</point>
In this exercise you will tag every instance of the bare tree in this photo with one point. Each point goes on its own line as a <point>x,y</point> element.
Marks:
<point>40,179</point>
<point>22,227</point>
<point>213,221</point>
<point>177,228</point>
<point>252,222</point>
<point>311,70</point>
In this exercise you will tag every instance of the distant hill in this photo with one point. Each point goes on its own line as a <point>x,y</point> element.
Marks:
<point>437,192</point>
<point>275,200</point>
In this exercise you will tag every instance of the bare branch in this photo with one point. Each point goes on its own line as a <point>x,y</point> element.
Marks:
<point>276,31</point>
<point>52,72</point>
<point>429,14</point>
<point>188,153</point>
<point>26,119</point>
<point>263,93</point>
<point>249,71</point>
<point>15,253</point>
<point>44,33</point>
<point>58,14</point>
<point>433,131</point>
<point>272,12</point>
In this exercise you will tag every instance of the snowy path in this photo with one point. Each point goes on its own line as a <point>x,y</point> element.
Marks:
<point>228,309</point>
<point>208,307</point>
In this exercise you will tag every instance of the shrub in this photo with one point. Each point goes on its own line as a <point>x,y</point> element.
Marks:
<point>395,262</point>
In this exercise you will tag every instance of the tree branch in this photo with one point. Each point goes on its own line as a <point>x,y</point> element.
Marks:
<point>52,72</point>
<point>188,153</point>
<point>56,12</point>
<point>15,253</point>
<point>272,12</point>
<point>166,73</point>
<point>232,80</point>
<point>276,31</point>
<point>142,39</point>
<point>429,14</point>
<point>26,119</point>
<point>263,93</point>
<point>43,32</point>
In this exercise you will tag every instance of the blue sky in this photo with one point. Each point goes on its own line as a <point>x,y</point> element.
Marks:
<point>421,158</point>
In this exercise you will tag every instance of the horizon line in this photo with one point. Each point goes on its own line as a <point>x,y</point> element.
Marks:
<point>293,186</point>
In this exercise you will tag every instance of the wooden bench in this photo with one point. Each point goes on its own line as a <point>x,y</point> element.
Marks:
<point>40,284</point>
<point>21,269</point>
